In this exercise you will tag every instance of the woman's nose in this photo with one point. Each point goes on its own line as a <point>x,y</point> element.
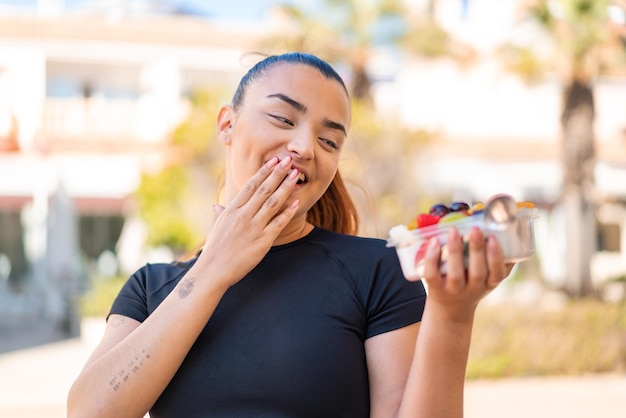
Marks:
<point>302,144</point>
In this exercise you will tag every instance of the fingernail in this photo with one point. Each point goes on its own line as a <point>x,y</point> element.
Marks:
<point>286,161</point>
<point>492,243</point>
<point>293,173</point>
<point>272,162</point>
<point>217,209</point>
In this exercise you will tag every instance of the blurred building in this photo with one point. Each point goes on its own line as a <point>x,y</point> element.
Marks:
<point>87,100</point>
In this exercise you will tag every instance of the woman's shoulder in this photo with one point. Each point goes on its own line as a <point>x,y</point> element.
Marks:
<point>347,239</point>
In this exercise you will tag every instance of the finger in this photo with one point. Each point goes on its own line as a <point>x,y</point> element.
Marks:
<point>275,202</point>
<point>495,261</point>
<point>265,196</point>
<point>253,184</point>
<point>508,268</point>
<point>477,269</point>
<point>431,264</point>
<point>455,276</point>
<point>279,221</point>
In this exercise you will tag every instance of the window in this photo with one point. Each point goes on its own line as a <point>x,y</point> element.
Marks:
<point>609,237</point>
<point>12,244</point>
<point>99,233</point>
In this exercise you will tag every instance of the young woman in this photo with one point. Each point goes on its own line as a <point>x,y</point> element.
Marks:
<point>285,312</point>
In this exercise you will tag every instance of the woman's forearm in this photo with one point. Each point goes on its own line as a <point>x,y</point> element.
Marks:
<point>436,380</point>
<point>127,379</point>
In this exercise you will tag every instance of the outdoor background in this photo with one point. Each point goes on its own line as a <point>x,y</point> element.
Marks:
<point>108,158</point>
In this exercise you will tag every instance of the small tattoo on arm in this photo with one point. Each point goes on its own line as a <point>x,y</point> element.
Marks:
<point>133,366</point>
<point>117,321</point>
<point>186,286</point>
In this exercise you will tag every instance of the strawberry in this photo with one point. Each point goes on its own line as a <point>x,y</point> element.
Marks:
<point>421,252</point>
<point>424,219</point>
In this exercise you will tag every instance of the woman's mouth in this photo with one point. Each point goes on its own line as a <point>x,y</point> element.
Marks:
<point>301,178</point>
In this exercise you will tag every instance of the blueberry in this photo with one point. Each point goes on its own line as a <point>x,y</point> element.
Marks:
<point>459,206</point>
<point>439,209</point>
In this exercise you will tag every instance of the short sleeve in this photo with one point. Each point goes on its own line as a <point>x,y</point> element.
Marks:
<point>131,301</point>
<point>393,301</point>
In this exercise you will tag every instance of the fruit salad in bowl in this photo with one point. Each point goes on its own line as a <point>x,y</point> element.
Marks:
<point>511,222</point>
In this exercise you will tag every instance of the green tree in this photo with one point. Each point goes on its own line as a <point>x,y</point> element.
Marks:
<point>176,202</point>
<point>586,44</point>
<point>379,156</point>
<point>343,31</point>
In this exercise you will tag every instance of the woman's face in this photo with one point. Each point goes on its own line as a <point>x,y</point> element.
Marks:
<point>292,110</point>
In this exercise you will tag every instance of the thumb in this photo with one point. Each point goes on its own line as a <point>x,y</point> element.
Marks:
<point>217,209</point>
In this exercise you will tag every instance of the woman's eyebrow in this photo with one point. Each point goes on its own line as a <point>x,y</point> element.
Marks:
<point>335,125</point>
<point>291,102</point>
<point>302,109</point>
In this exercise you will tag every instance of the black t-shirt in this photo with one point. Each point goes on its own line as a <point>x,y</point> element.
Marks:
<point>288,339</point>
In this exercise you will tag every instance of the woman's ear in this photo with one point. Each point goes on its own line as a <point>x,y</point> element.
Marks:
<point>225,124</point>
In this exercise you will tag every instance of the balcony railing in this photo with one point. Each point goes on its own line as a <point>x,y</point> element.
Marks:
<point>110,120</point>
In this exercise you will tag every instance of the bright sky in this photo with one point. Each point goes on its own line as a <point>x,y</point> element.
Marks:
<point>247,9</point>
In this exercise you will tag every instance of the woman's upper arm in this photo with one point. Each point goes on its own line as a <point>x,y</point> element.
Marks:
<point>389,358</point>
<point>118,327</point>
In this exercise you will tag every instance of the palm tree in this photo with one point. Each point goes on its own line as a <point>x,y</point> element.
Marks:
<point>586,45</point>
<point>343,31</point>
<point>349,31</point>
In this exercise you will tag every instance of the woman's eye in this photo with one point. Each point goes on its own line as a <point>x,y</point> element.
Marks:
<point>330,143</point>
<point>282,120</point>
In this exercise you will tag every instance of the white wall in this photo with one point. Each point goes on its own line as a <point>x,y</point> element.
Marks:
<point>24,89</point>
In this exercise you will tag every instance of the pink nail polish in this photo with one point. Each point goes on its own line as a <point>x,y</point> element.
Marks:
<point>286,161</point>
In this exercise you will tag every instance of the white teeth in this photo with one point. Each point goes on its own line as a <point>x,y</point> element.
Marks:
<point>301,177</point>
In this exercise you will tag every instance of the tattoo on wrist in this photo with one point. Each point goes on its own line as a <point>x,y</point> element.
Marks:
<point>133,366</point>
<point>185,287</point>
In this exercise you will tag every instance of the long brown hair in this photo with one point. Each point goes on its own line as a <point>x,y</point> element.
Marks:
<point>335,210</point>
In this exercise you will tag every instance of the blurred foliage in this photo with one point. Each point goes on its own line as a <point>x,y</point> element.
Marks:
<point>194,139</point>
<point>523,62</point>
<point>161,198</point>
<point>349,32</point>
<point>427,38</point>
<point>98,299</point>
<point>341,31</point>
<point>380,155</point>
<point>176,202</point>
<point>574,38</point>
<point>585,336</point>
